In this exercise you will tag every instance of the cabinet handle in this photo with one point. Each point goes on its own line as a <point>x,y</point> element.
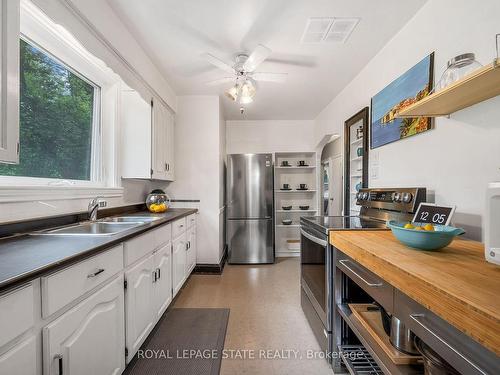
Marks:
<point>94,274</point>
<point>59,359</point>
<point>187,246</point>
<point>159,273</point>
<point>417,318</point>
<point>344,261</point>
<point>154,276</point>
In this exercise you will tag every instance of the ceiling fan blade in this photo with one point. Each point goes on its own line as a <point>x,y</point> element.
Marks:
<point>258,55</point>
<point>270,77</point>
<point>216,82</point>
<point>218,63</point>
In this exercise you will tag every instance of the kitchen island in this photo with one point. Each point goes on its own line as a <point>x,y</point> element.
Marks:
<point>455,283</point>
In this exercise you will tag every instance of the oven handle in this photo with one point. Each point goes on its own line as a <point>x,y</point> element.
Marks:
<point>313,239</point>
<point>374,285</point>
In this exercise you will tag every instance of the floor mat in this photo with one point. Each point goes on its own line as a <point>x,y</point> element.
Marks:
<point>186,341</point>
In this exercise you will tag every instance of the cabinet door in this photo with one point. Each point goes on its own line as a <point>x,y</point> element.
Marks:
<point>163,284</point>
<point>169,146</point>
<point>135,118</point>
<point>191,250</point>
<point>90,338</point>
<point>139,304</point>
<point>9,81</point>
<point>159,142</point>
<point>21,359</point>
<point>179,263</point>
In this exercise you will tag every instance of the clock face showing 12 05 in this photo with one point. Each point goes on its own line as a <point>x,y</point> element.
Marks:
<point>433,214</point>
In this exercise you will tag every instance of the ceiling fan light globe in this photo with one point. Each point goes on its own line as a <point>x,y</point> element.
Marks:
<point>245,99</point>
<point>248,89</point>
<point>232,93</point>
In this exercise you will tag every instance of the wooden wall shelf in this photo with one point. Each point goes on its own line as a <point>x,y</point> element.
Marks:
<point>476,87</point>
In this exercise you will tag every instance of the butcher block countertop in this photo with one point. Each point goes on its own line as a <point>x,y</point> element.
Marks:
<point>456,283</point>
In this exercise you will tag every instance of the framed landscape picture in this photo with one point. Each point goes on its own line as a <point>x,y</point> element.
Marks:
<point>412,86</point>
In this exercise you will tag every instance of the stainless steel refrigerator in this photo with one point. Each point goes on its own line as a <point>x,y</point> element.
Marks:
<point>250,207</point>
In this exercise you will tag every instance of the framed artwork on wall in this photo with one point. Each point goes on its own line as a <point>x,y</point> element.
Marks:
<point>413,85</point>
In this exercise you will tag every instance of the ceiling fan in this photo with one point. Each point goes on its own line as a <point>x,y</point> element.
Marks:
<point>244,75</point>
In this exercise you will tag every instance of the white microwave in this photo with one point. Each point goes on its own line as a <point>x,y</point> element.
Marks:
<point>492,224</point>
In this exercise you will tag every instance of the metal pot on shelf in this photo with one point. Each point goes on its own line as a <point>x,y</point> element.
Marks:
<point>399,336</point>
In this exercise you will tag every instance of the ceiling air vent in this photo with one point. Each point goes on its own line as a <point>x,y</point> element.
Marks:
<point>328,29</point>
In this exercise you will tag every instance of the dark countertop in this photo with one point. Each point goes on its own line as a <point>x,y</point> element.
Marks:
<point>26,257</point>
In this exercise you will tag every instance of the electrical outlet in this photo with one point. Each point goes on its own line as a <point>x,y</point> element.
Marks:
<point>374,173</point>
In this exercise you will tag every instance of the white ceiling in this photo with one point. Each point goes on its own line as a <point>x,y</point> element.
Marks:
<point>175,33</point>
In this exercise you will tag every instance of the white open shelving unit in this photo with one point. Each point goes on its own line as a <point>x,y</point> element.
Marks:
<point>287,237</point>
<point>355,171</point>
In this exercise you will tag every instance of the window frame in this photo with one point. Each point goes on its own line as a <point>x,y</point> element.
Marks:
<point>39,30</point>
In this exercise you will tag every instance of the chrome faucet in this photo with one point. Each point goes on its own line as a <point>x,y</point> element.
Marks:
<point>93,208</point>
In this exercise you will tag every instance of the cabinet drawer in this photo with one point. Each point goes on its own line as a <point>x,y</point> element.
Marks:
<point>162,235</point>
<point>178,227</point>
<point>191,220</point>
<point>16,312</point>
<point>62,287</point>
<point>146,243</point>
<point>464,353</point>
<point>376,287</point>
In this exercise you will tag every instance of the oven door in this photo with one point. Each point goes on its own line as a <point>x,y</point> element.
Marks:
<point>315,269</point>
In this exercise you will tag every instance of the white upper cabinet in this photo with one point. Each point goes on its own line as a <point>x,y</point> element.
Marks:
<point>148,138</point>
<point>136,135</point>
<point>9,81</point>
<point>163,143</point>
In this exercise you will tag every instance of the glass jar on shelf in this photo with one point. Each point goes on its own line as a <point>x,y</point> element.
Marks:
<point>457,68</point>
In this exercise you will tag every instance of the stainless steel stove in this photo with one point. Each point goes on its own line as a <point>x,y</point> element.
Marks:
<point>317,255</point>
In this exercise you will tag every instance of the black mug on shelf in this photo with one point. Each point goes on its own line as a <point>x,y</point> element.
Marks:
<point>302,163</point>
<point>284,163</point>
<point>302,186</point>
<point>286,186</point>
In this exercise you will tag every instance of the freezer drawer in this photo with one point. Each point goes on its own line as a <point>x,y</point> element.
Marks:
<point>250,241</point>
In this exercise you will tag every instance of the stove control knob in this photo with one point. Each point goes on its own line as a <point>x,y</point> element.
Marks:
<point>396,197</point>
<point>407,197</point>
<point>366,196</point>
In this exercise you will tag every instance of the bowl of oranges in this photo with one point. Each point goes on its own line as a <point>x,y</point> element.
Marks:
<point>424,236</point>
<point>156,201</point>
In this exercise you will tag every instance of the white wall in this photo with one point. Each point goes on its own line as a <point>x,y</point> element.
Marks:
<point>457,159</point>
<point>269,136</point>
<point>197,168</point>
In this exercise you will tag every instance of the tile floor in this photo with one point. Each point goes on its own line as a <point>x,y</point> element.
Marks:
<point>265,315</point>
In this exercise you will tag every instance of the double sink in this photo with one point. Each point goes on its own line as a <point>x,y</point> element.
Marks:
<point>104,227</point>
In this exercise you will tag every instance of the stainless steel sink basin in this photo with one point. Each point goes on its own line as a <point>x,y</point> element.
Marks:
<point>96,228</point>
<point>130,219</point>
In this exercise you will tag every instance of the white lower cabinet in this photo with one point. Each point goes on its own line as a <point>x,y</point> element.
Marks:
<point>21,359</point>
<point>162,289</point>
<point>89,338</point>
<point>139,303</point>
<point>178,263</point>
<point>191,250</point>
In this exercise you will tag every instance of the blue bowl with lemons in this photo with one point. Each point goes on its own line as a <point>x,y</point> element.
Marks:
<point>424,236</point>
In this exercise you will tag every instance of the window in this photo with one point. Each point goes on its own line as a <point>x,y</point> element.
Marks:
<point>59,117</point>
